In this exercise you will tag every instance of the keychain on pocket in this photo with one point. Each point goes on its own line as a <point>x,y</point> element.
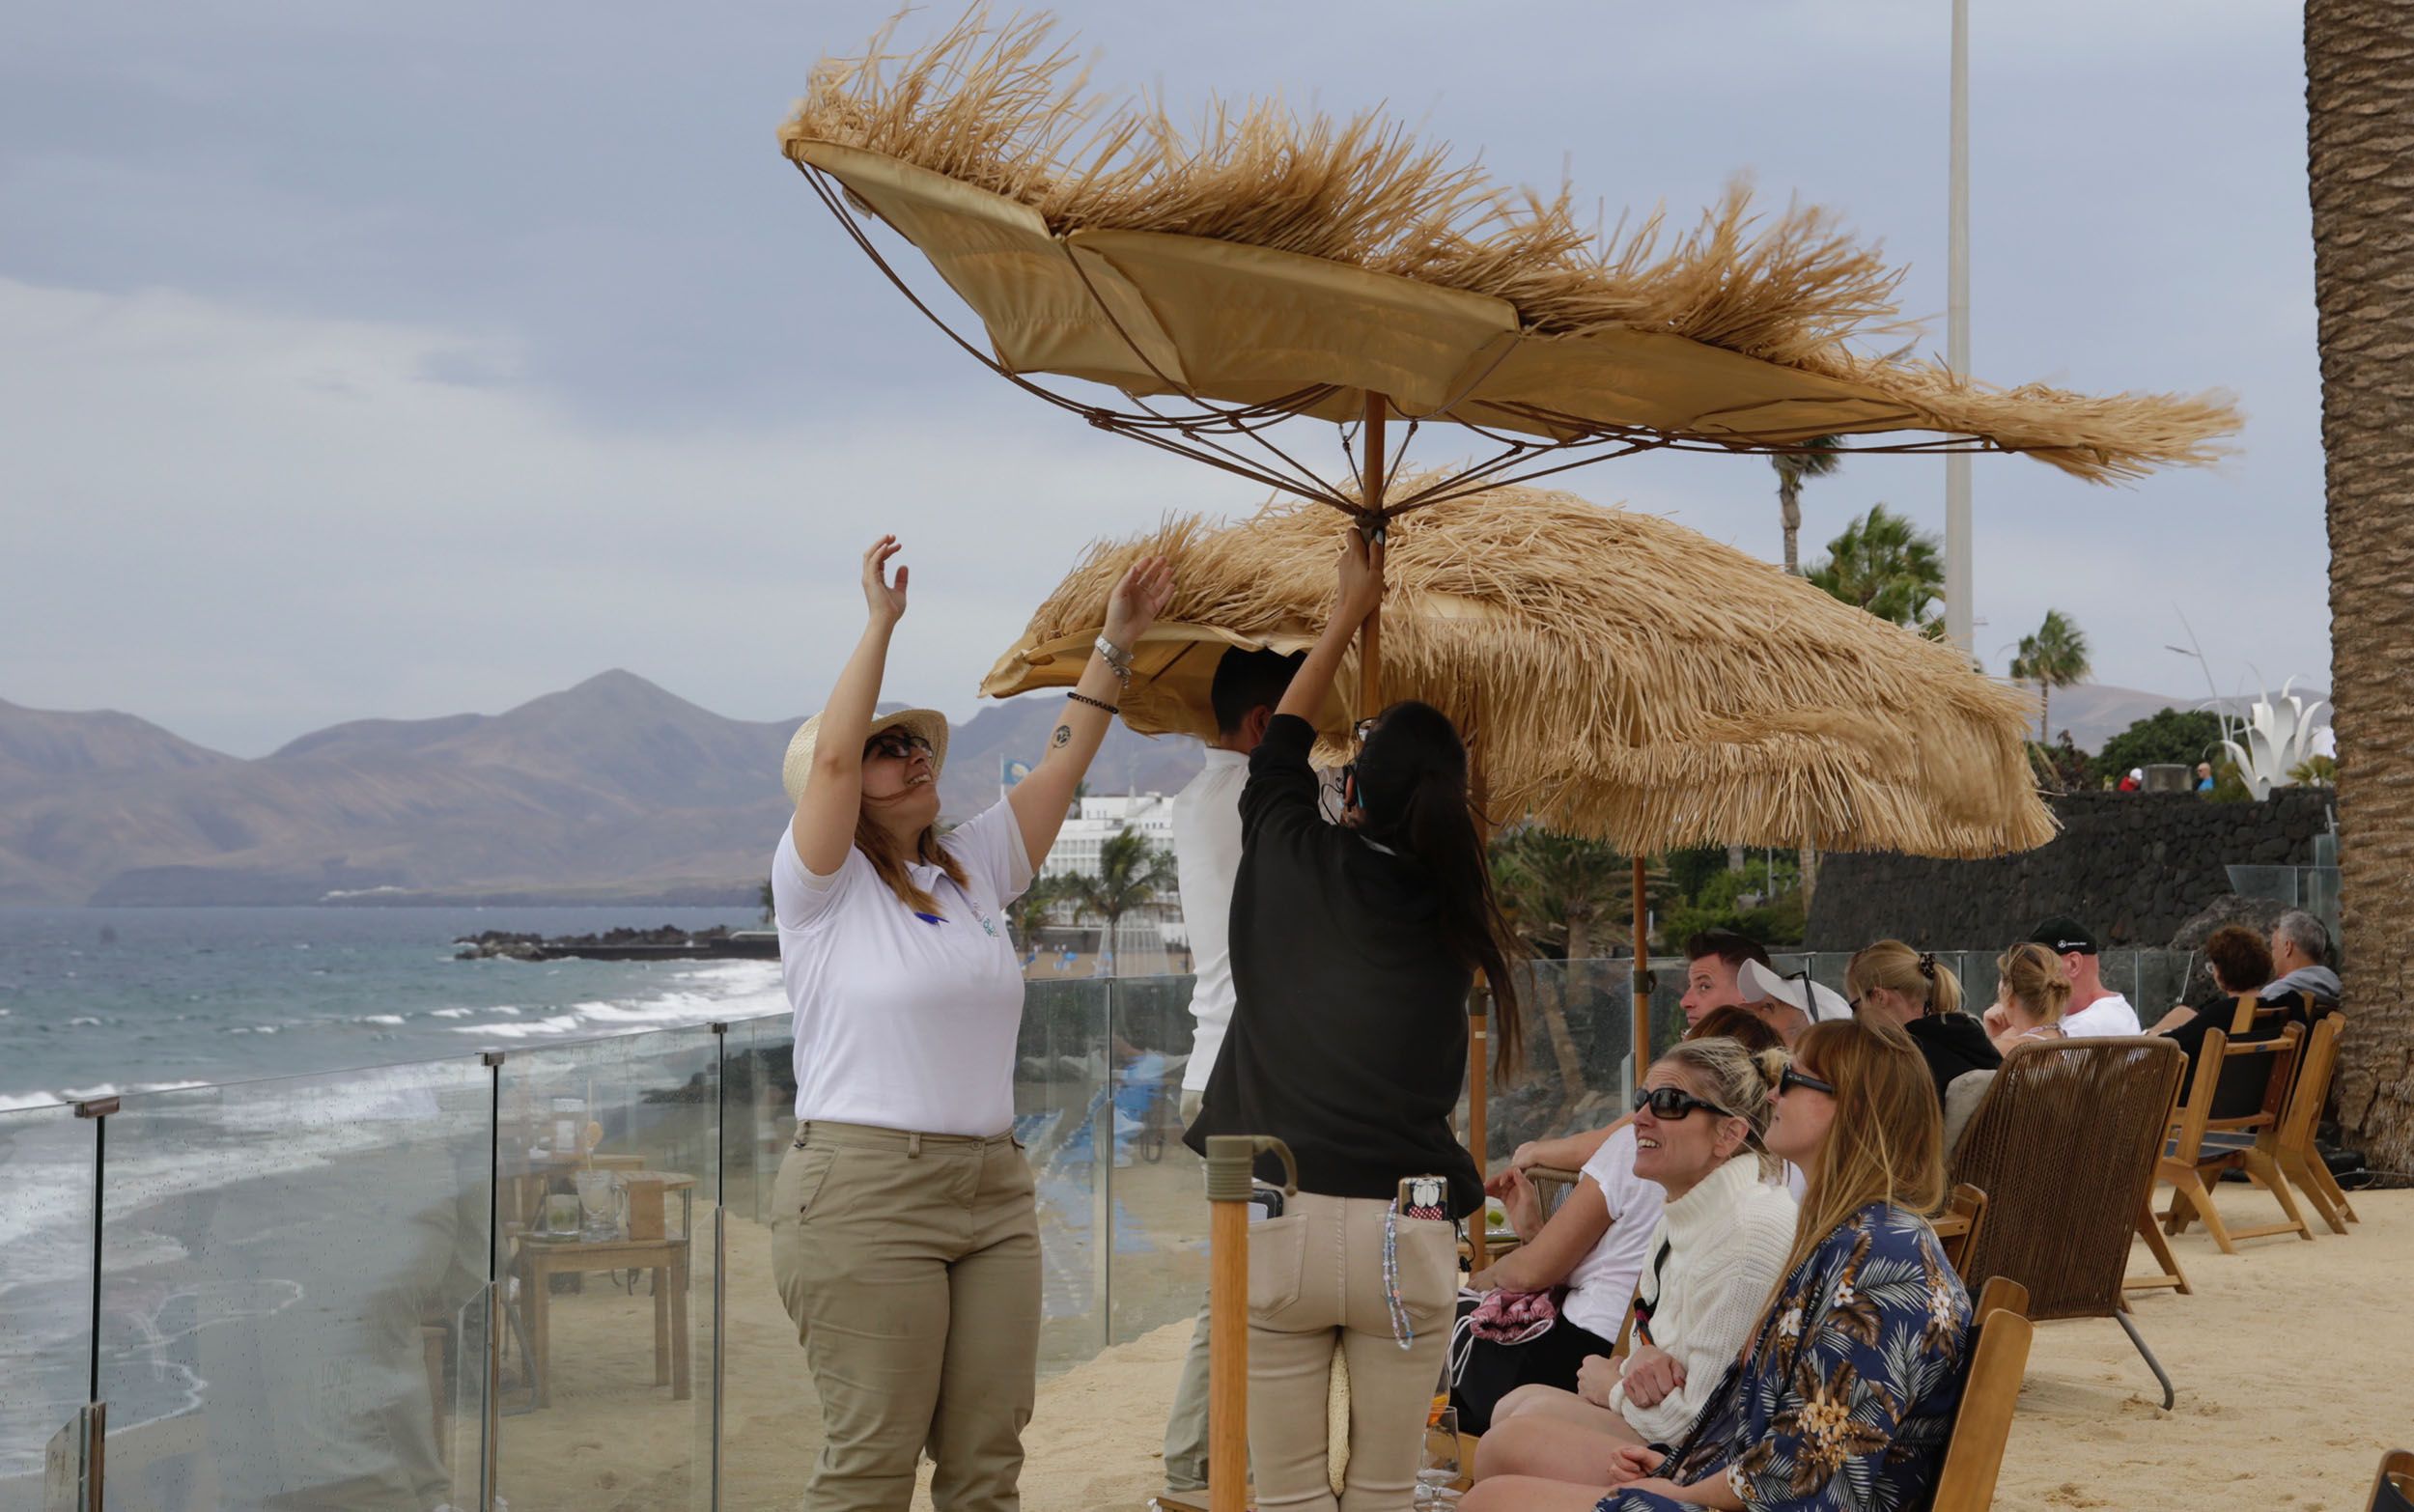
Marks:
<point>1419,1197</point>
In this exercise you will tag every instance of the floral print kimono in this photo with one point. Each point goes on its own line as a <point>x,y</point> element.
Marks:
<point>1844,1398</point>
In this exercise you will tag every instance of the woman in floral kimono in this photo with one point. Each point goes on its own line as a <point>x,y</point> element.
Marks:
<point>1842,1400</point>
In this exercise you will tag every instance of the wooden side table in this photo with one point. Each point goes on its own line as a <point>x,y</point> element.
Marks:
<point>666,1258</point>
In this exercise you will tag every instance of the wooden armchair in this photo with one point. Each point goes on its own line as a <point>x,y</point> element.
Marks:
<point>1957,1227</point>
<point>2392,1486</point>
<point>2233,1107</point>
<point>2293,1142</point>
<point>1974,1457</point>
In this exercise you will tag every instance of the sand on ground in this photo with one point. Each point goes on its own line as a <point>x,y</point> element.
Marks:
<point>2289,1360</point>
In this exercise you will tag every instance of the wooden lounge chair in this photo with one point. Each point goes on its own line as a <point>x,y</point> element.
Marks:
<point>1974,1456</point>
<point>2293,1142</point>
<point>2393,1485</point>
<point>2065,1146</point>
<point>1552,1186</point>
<point>2232,1108</point>
<point>1964,1212</point>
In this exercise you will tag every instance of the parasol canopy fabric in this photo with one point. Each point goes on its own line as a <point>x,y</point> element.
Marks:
<point>1272,260</point>
<point>1618,675</point>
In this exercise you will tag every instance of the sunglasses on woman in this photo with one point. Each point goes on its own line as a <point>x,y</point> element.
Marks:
<point>1671,1104</point>
<point>1790,1078</point>
<point>898,743</point>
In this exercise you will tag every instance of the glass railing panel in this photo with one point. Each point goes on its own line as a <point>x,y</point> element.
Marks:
<point>45,1287</point>
<point>1157,1207</point>
<point>293,1279</point>
<point>1067,1123</point>
<point>608,1158</point>
<point>770,1416</point>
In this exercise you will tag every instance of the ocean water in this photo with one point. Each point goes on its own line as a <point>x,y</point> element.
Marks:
<point>94,1002</point>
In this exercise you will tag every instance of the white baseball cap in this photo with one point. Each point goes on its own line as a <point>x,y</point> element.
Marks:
<point>1821,1004</point>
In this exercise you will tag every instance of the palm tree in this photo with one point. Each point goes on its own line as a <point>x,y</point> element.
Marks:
<point>1130,874</point>
<point>2055,656</point>
<point>1885,564</point>
<point>1027,914</point>
<point>1821,455</point>
<point>2359,95</point>
<point>1573,893</point>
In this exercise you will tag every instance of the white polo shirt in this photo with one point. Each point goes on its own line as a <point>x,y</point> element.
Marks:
<point>903,1022</point>
<point>1602,1284</point>
<point>1206,858</point>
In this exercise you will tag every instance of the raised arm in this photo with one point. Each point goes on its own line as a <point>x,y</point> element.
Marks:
<point>833,790</point>
<point>1355,596</point>
<point>1040,799</point>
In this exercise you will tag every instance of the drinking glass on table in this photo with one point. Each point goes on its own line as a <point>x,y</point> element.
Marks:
<point>1438,1469</point>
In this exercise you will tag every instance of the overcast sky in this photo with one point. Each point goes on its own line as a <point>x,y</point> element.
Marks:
<point>404,361</point>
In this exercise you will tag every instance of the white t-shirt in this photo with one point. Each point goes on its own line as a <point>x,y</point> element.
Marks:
<point>1206,857</point>
<point>2110,1014</point>
<point>903,1022</point>
<point>1602,1284</point>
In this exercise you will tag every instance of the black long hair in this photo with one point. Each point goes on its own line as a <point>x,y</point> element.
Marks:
<point>1412,791</point>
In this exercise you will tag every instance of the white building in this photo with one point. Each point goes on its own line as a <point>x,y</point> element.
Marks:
<point>1101,817</point>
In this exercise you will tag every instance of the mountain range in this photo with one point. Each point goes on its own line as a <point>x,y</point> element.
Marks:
<point>614,790</point>
<point>611,791</point>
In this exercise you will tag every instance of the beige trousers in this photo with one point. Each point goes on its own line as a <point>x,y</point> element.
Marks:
<point>1315,1274</point>
<point>910,1264</point>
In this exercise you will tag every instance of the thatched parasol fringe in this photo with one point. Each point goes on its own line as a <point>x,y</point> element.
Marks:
<point>1627,678</point>
<point>1009,110</point>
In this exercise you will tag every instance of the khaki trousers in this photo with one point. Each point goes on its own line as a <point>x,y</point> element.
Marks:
<point>1315,1274</point>
<point>910,1264</point>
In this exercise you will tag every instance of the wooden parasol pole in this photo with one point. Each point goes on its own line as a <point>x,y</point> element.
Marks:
<point>1228,1162</point>
<point>1371,499</point>
<point>1478,1032</point>
<point>1642,978</point>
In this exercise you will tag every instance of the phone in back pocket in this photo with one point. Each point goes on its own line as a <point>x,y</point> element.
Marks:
<point>1423,1197</point>
<point>1264,1202</point>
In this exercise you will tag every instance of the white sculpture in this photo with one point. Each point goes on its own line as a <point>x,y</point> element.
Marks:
<point>2276,739</point>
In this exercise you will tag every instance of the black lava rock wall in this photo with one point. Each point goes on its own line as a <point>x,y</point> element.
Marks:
<point>2132,866</point>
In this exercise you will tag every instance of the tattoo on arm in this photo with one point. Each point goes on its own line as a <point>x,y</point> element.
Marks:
<point>1063,736</point>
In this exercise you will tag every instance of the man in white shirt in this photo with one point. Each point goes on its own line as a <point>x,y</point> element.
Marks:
<point>2094,1009</point>
<point>1248,687</point>
<point>1788,1002</point>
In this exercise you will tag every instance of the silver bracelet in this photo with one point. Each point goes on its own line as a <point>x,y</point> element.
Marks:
<point>1119,659</point>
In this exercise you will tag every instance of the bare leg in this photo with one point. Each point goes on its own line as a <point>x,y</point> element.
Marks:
<point>1542,1402</point>
<point>1551,1449</point>
<point>1527,1493</point>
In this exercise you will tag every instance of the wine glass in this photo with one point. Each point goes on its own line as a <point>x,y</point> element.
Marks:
<point>1438,1468</point>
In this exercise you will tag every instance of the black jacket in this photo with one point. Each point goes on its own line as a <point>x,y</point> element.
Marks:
<point>1349,1022</point>
<point>1952,1043</point>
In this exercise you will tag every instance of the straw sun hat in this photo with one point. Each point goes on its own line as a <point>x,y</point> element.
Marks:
<point>928,724</point>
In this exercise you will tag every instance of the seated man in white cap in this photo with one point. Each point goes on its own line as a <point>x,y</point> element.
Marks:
<point>1788,1002</point>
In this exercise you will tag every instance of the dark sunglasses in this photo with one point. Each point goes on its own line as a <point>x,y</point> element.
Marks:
<point>1790,1078</point>
<point>899,744</point>
<point>1671,1104</point>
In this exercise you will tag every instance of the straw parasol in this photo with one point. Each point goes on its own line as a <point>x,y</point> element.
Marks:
<point>1268,266</point>
<point>1618,675</point>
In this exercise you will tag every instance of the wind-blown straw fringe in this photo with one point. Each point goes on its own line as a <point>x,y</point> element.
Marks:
<point>1008,109</point>
<point>1627,678</point>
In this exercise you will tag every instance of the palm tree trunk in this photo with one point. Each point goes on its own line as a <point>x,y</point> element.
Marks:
<point>2044,712</point>
<point>1789,518</point>
<point>1554,1014</point>
<point>2359,93</point>
<point>1735,858</point>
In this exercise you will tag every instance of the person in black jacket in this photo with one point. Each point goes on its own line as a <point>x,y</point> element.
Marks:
<point>1892,983</point>
<point>1354,949</point>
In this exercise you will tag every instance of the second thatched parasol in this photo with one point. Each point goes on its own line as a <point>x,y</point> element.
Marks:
<point>1618,675</point>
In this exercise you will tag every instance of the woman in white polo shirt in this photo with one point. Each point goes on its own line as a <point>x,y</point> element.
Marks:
<point>904,1238</point>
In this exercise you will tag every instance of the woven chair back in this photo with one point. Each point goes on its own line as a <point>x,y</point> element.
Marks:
<point>2064,1148</point>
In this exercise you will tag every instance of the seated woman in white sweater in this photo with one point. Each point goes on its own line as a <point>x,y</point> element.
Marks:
<point>1719,1248</point>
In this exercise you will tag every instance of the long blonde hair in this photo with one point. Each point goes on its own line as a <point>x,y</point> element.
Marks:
<point>2033,977</point>
<point>1895,967</point>
<point>1887,1141</point>
<point>881,852</point>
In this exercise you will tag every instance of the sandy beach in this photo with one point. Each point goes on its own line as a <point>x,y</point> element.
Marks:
<point>2271,1356</point>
